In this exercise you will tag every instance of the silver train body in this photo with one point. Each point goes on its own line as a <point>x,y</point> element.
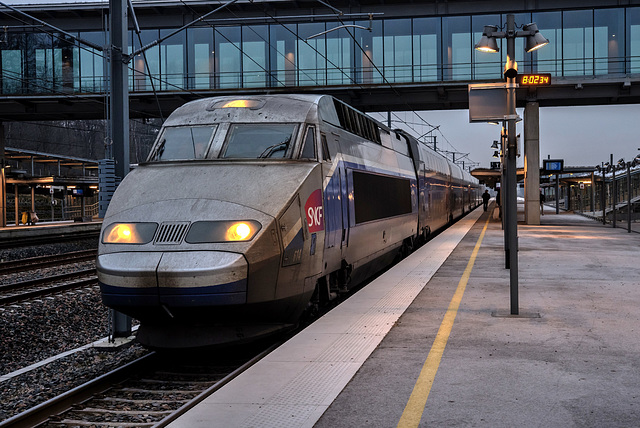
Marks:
<point>249,211</point>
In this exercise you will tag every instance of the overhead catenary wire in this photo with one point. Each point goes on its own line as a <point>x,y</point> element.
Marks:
<point>268,72</point>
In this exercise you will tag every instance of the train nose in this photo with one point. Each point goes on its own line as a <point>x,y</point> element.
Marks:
<point>172,279</point>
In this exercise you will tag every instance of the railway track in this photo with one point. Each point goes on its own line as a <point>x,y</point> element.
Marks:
<point>46,261</point>
<point>151,391</point>
<point>33,288</point>
<point>40,240</point>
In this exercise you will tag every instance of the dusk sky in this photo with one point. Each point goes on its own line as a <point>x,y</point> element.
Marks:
<point>582,136</point>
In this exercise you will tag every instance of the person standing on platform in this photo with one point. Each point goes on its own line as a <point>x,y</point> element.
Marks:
<point>542,200</point>
<point>485,199</point>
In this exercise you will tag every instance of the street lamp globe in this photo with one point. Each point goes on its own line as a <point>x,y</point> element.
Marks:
<point>536,40</point>
<point>488,43</point>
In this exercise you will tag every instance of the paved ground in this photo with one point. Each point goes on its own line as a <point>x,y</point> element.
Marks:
<point>571,359</point>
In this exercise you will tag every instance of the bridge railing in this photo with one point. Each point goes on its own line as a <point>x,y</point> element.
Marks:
<point>591,42</point>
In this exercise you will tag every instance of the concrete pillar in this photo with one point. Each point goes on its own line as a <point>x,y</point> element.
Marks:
<point>17,204</point>
<point>532,163</point>
<point>3,184</point>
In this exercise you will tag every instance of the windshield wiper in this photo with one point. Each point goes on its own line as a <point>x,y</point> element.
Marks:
<point>159,150</point>
<point>278,147</point>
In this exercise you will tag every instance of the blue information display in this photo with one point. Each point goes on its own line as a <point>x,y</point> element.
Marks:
<point>553,165</point>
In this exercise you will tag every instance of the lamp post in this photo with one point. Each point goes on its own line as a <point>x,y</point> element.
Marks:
<point>628,197</point>
<point>488,43</point>
<point>603,197</point>
<point>614,192</point>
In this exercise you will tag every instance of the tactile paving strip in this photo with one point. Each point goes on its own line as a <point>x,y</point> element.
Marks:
<point>321,360</point>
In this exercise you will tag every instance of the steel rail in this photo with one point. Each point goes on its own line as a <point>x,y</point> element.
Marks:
<point>45,261</point>
<point>79,400</point>
<point>64,402</point>
<point>222,382</point>
<point>39,240</point>
<point>93,280</point>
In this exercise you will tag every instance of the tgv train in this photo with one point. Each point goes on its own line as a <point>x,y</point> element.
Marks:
<point>250,211</point>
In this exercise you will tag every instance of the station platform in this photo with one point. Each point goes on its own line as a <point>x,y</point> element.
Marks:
<point>44,229</point>
<point>12,235</point>
<point>432,342</point>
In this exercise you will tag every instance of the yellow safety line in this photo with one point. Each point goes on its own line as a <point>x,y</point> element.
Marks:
<point>418,399</point>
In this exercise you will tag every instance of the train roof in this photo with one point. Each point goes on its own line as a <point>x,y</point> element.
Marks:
<point>269,108</point>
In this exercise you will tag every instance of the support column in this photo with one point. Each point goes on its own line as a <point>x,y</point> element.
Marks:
<point>119,87</point>
<point>532,163</point>
<point>511,210</point>
<point>17,204</point>
<point>121,326</point>
<point>3,183</point>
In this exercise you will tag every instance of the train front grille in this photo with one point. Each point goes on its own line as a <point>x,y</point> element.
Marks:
<point>171,233</point>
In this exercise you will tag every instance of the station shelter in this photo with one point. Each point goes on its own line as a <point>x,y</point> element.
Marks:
<point>54,187</point>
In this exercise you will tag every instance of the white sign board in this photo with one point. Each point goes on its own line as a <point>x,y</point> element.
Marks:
<point>488,102</point>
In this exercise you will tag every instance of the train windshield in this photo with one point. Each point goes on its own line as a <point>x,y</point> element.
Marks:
<point>260,141</point>
<point>182,143</point>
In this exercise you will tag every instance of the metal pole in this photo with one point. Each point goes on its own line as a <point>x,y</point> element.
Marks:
<point>3,184</point>
<point>593,192</point>
<point>629,197</point>
<point>512,148</point>
<point>17,203</point>
<point>557,193</point>
<point>119,87</point>
<point>603,197</point>
<point>504,194</point>
<point>121,326</point>
<point>613,191</point>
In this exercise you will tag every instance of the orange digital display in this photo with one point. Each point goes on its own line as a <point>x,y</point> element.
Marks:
<point>540,79</point>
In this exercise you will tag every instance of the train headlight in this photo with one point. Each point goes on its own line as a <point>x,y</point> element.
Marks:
<point>238,232</point>
<point>202,232</point>
<point>129,233</point>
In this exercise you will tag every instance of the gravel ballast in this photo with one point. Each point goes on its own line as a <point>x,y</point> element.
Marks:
<point>38,329</point>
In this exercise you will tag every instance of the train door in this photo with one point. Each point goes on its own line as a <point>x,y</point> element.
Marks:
<point>332,198</point>
<point>344,202</point>
<point>335,202</point>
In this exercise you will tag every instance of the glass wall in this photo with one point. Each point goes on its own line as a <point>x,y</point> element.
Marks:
<point>40,56</point>
<point>633,40</point>
<point>13,66</point>
<point>398,50</point>
<point>427,54</point>
<point>590,42</point>
<point>200,58</point>
<point>608,42</point>
<point>339,58</point>
<point>145,66</point>
<point>545,59</point>
<point>312,55</point>
<point>255,50</point>
<point>369,50</point>
<point>228,57</point>
<point>173,71</point>
<point>456,48</point>
<point>485,66</point>
<point>577,43</point>
<point>92,63</point>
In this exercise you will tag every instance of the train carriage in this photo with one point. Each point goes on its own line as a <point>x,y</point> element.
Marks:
<point>251,210</point>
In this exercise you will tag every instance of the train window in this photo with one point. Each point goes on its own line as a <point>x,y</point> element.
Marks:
<point>377,197</point>
<point>326,156</point>
<point>182,143</point>
<point>309,144</point>
<point>259,141</point>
